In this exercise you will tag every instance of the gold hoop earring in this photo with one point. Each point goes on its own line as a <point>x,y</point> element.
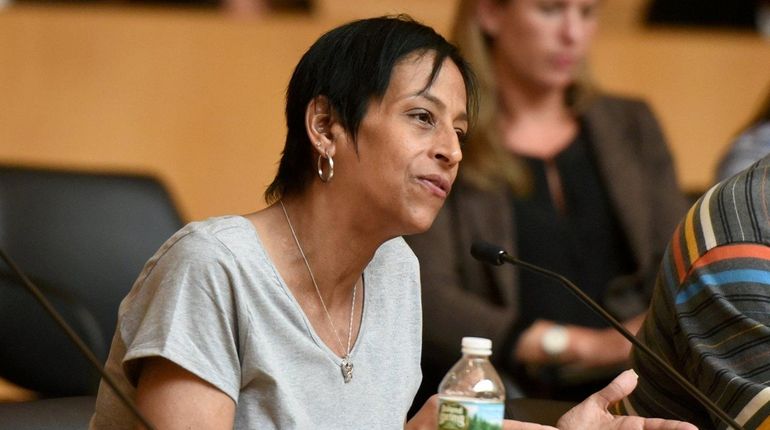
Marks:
<point>330,173</point>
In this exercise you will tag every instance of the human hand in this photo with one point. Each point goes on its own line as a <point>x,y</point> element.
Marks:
<point>588,348</point>
<point>529,349</point>
<point>427,417</point>
<point>593,348</point>
<point>592,413</point>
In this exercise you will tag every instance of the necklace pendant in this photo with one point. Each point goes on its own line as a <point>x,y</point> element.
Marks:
<point>347,369</point>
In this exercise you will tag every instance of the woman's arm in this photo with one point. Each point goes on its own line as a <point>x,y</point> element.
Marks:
<point>173,398</point>
<point>587,348</point>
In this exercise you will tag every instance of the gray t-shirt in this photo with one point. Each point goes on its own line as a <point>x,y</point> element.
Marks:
<point>211,301</point>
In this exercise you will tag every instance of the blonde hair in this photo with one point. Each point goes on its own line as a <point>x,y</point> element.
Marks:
<point>485,161</point>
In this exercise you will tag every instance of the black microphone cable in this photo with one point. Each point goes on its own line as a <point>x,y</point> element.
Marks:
<point>496,255</point>
<point>75,338</point>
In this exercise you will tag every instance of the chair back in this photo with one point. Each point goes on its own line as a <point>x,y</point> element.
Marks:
<point>64,413</point>
<point>83,238</point>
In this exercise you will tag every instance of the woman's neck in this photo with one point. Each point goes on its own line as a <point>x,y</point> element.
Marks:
<point>336,252</point>
<point>521,99</point>
<point>534,121</point>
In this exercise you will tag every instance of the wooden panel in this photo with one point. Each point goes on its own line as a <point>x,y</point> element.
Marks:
<point>703,86</point>
<point>436,13</point>
<point>197,97</point>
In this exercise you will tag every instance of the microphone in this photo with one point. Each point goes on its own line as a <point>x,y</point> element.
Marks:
<point>495,255</point>
<point>75,338</point>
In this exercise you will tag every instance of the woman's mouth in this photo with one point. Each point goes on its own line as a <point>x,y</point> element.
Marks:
<point>436,184</point>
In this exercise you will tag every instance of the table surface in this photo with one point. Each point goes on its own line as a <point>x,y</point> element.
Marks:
<point>546,412</point>
<point>13,393</point>
<point>77,410</point>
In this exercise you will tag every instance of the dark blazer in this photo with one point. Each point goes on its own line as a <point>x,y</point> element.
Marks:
<point>462,297</point>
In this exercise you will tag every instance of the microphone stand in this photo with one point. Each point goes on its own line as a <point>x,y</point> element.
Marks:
<point>495,255</point>
<point>75,338</point>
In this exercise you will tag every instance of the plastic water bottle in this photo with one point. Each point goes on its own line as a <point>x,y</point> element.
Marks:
<point>471,395</point>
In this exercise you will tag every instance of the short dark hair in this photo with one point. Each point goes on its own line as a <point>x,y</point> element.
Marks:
<point>350,66</point>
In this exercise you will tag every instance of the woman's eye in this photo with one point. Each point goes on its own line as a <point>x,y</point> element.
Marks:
<point>588,11</point>
<point>424,117</point>
<point>461,136</point>
<point>549,7</point>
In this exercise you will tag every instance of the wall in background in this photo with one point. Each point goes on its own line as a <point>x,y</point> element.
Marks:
<point>196,98</point>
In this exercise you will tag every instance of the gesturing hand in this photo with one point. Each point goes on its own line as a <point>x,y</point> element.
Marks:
<point>592,413</point>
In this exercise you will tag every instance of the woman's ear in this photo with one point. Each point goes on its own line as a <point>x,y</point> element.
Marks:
<point>488,16</point>
<point>319,119</point>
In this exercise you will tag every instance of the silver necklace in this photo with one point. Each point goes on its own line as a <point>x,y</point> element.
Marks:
<point>346,366</point>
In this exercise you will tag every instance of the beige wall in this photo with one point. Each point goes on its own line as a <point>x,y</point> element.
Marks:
<point>191,97</point>
<point>196,98</point>
<point>703,87</point>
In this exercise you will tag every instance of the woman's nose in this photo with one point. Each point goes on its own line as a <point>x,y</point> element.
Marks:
<point>574,26</point>
<point>448,149</point>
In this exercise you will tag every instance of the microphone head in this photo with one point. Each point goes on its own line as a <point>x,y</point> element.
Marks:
<point>487,253</point>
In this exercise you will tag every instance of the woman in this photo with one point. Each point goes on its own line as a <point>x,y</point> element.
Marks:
<point>560,175</point>
<point>307,314</point>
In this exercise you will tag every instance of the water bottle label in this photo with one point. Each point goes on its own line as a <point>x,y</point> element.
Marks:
<point>469,415</point>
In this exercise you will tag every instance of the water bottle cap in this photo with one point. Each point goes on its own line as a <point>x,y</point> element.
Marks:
<point>477,346</point>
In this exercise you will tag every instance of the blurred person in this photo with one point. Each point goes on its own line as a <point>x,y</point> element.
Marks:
<point>236,8</point>
<point>306,314</point>
<point>255,8</point>
<point>561,175</point>
<point>752,143</point>
<point>710,313</point>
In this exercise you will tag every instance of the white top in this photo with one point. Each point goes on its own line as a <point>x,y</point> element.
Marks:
<point>211,301</point>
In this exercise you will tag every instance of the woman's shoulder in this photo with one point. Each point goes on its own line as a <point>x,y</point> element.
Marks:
<point>613,113</point>
<point>395,248</point>
<point>617,102</point>
<point>394,253</point>
<point>216,226</point>
<point>215,238</point>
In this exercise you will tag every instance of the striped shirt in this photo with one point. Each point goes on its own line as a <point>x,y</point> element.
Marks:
<point>710,311</point>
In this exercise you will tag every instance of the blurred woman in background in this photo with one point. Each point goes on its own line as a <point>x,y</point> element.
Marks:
<point>561,175</point>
